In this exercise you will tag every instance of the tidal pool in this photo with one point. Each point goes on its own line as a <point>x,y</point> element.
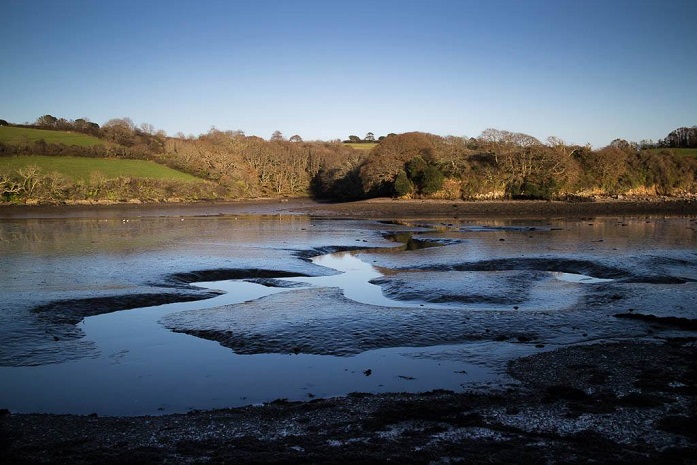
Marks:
<point>315,307</point>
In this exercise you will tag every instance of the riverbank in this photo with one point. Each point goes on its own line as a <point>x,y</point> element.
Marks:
<point>623,402</point>
<point>373,208</point>
<point>388,208</point>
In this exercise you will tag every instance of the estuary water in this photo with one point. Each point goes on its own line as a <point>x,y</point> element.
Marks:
<point>93,317</point>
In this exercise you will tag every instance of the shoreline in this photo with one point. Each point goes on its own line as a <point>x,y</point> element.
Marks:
<point>625,402</point>
<point>380,208</point>
<point>620,402</point>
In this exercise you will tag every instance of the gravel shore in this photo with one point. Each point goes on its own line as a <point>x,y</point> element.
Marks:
<point>628,402</point>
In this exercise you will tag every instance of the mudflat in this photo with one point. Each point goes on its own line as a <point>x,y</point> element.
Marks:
<point>377,208</point>
<point>374,208</point>
<point>604,402</point>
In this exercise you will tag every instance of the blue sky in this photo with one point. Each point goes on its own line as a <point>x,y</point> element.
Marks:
<point>585,71</point>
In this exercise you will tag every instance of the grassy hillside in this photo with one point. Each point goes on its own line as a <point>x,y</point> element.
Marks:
<point>691,153</point>
<point>361,145</point>
<point>685,152</point>
<point>12,136</point>
<point>77,168</point>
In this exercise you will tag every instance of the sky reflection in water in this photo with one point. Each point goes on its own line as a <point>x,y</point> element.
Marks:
<point>140,367</point>
<point>146,369</point>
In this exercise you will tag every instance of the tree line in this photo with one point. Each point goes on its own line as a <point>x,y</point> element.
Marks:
<point>503,164</point>
<point>120,131</point>
<point>496,164</point>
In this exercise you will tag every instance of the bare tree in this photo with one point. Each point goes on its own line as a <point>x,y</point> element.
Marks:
<point>8,186</point>
<point>46,121</point>
<point>120,131</point>
<point>148,128</point>
<point>500,142</point>
<point>30,177</point>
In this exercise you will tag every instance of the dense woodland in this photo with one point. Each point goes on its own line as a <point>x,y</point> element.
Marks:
<point>496,164</point>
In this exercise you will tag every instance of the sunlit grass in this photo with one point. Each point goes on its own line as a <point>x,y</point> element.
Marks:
<point>13,136</point>
<point>77,168</point>
<point>361,145</point>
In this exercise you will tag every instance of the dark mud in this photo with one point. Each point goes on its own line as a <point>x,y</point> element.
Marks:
<point>225,274</point>
<point>624,403</point>
<point>561,265</point>
<point>383,208</point>
<point>373,208</point>
<point>73,311</point>
<point>689,324</point>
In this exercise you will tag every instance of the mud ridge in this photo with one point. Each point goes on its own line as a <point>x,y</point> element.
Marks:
<point>561,265</point>
<point>73,311</point>
<point>223,274</point>
<point>689,324</point>
<point>402,291</point>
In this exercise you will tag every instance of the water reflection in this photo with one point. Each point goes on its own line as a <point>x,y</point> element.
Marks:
<point>489,293</point>
<point>142,368</point>
<point>354,279</point>
<point>579,278</point>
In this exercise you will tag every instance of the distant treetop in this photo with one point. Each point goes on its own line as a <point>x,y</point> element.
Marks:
<point>683,138</point>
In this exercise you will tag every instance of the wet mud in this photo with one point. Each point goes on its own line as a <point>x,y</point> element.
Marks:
<point>524,300</point>
<point>550,264</point>
<point>689,324</point>
<point>601,311</point>
<point>323,322</point>
<point>73,311</point>
<point>226,274</point>
<point>383,208</point>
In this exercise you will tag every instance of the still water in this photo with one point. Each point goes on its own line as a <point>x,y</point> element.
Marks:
<point>363,306</point>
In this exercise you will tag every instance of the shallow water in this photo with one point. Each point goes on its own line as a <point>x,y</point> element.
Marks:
<point>386,316</point>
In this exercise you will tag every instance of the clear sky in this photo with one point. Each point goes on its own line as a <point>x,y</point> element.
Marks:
<point>586,71</point>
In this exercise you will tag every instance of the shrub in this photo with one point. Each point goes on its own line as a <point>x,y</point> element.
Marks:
<point>431,180</point>
<point>402,185</point>
<point>528,189</point>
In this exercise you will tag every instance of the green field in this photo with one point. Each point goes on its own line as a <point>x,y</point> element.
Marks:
<point>685,152</point>
<point>361,145</point>
<point>12,136</point>
<point>79,168</point>
<point>692,153</point>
